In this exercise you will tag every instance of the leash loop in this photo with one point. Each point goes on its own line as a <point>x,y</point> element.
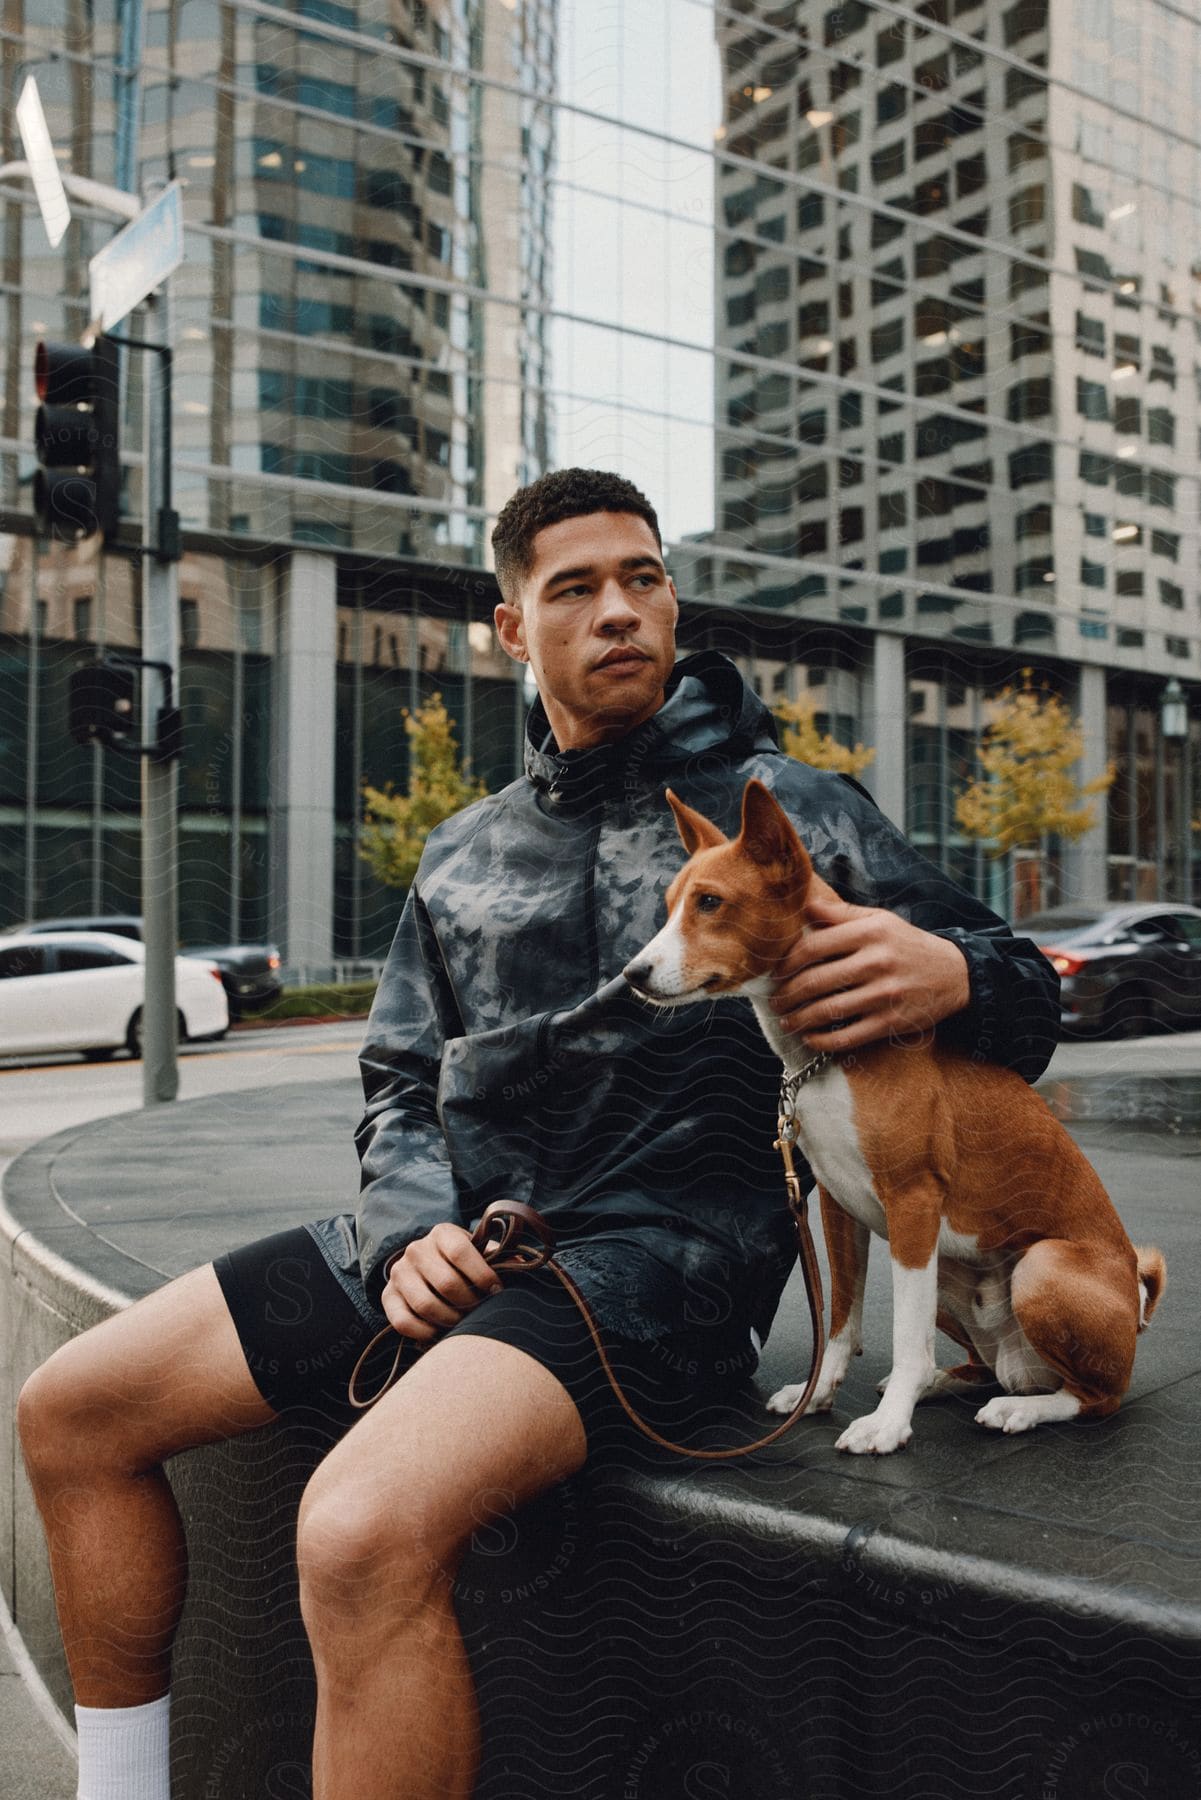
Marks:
<point>503,1238</point>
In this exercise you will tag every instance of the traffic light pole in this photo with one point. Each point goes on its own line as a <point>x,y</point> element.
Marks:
<point>160,644</point>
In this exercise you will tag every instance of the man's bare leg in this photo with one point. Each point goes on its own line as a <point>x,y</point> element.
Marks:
<point>96,1422</point>
<point>474,1429</point>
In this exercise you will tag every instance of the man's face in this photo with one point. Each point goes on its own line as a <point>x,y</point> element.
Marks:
<point>596,623</point>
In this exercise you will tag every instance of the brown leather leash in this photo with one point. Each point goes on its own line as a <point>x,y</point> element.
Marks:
<point>503,1238</point>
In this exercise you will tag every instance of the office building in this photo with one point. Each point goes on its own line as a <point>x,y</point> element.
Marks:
<point>959,327</point>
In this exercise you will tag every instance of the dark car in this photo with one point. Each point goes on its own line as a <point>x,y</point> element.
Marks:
<point>1123,969</point>
<point>249,972</point>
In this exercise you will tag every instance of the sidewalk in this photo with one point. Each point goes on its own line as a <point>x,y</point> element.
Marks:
<point>138,1198</point>
<point>37,1761</point>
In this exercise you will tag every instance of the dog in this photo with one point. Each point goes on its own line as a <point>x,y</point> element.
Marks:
<point>999,1230</point>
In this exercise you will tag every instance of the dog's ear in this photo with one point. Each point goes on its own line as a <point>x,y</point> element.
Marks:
<point>696,831</point>
<point>767,833</point>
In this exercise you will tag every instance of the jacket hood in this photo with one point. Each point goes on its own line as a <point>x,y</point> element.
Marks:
<point>708,707</point>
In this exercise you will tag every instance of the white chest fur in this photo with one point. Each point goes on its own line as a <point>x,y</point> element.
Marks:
<point>830,1142</point>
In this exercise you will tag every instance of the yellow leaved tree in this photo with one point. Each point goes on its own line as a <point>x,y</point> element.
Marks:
<point>800,737</point>
<point>395,826</point>
<point>1027,792</point>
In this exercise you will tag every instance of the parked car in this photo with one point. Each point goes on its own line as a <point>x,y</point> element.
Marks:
<point>73,990</point>
<point>249,972</point>
<point>1123,969</point>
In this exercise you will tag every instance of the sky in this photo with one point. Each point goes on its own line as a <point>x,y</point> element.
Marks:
<point>633,246</point>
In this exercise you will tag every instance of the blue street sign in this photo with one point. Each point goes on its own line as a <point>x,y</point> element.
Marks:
<point>137,260</point>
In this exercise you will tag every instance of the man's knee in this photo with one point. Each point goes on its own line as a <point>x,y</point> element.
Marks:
<point>359,1536</point>
<point>58,1421</point>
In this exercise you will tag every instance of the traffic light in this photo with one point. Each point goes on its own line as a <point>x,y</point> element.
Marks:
<point>77,489</point>
<point>103,704</point>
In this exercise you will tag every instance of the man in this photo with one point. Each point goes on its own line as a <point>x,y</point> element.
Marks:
<point>506,1057</point>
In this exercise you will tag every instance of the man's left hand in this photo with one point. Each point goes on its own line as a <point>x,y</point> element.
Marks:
<point>868,966</point>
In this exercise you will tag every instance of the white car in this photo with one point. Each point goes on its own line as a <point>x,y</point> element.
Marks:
<point>73,990</point>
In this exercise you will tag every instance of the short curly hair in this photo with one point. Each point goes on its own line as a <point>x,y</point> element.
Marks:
<point>563,494</point>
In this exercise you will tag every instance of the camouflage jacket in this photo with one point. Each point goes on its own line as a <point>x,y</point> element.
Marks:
<point>506,1057</point>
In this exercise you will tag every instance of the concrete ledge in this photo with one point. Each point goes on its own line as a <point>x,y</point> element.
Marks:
<point>979,1616</point>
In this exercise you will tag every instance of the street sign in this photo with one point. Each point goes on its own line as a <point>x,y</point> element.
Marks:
<point>43,164</point>
<point>137,260</point>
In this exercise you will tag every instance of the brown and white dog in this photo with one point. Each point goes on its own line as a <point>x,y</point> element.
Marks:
<point>999,1230</point>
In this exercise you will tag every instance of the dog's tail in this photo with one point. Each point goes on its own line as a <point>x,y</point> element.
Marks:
<point>1152,1280</point>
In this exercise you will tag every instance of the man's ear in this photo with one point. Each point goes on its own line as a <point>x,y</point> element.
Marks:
<point>767,833</point>
<point>696,831</point>
<point>510,630</point>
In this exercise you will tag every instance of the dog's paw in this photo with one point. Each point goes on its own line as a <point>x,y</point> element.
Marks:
<point>1022,1412</point>
<point>875,1436</point>
<point>785,1399</point>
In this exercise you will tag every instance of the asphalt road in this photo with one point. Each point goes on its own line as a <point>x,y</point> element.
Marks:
<point>42,1095</point>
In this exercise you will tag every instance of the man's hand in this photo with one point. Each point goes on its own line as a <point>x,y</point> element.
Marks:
<point>435,1281</point>
<point>872,967</point>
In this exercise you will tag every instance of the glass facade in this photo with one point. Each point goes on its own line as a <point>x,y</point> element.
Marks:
<point>892,311</point>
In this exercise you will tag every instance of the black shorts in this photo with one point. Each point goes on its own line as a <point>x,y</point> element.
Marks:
<point>302,1334</point>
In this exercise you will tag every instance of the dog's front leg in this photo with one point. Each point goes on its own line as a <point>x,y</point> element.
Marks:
<point>847,1245</point>
<point>914,1304</point>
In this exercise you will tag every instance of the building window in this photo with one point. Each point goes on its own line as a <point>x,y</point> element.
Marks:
<point>888,340</point>
<point>1027,340</point>
<point>1029,399</point>
<point>891,102</point>
<point>850,410</point>
<point>1094,468</point>
<point>1128,414</point>
<point>1161,425</point>
<point>1163,365</point>
<point>1020,84</point>
<point>1028,206</point>
<point>1023,20</point>
<point>1091,262</point>
<point>1170,594</point>
<point>888,162</point>
<point>1161,488</point>
<point>1085,207</point>
<point>1092,574</point>
<point>1095,525</point>
<point>1090,335</point>
<point>1025,148</point>
<point>1165,543</point>
<point>1032,574</point>
<point>1034,522</point>
<point>189,624</point>
<point>893,510</point>
<point>1033,462</point>
<point>82,622</point>
<point>970,176</point>
<point>1129,582</point>
<point>1092,399</point>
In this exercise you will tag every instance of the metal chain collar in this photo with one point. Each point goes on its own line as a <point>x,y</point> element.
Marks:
<point>791,1083</point>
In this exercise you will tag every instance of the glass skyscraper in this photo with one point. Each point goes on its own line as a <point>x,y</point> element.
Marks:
<point>891,309</point>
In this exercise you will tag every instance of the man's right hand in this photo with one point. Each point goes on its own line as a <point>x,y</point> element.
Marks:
<point>435,1281</point>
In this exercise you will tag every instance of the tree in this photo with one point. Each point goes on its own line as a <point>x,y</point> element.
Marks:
<point>395,826</point>
<point>1027,791</point>
<point>800,737</point>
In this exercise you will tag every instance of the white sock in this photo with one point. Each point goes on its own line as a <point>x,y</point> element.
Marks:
<point>123,1751</point>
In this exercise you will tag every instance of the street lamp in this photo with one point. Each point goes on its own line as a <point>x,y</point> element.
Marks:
<point>1173,711</point>
<point>1174,727</point>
